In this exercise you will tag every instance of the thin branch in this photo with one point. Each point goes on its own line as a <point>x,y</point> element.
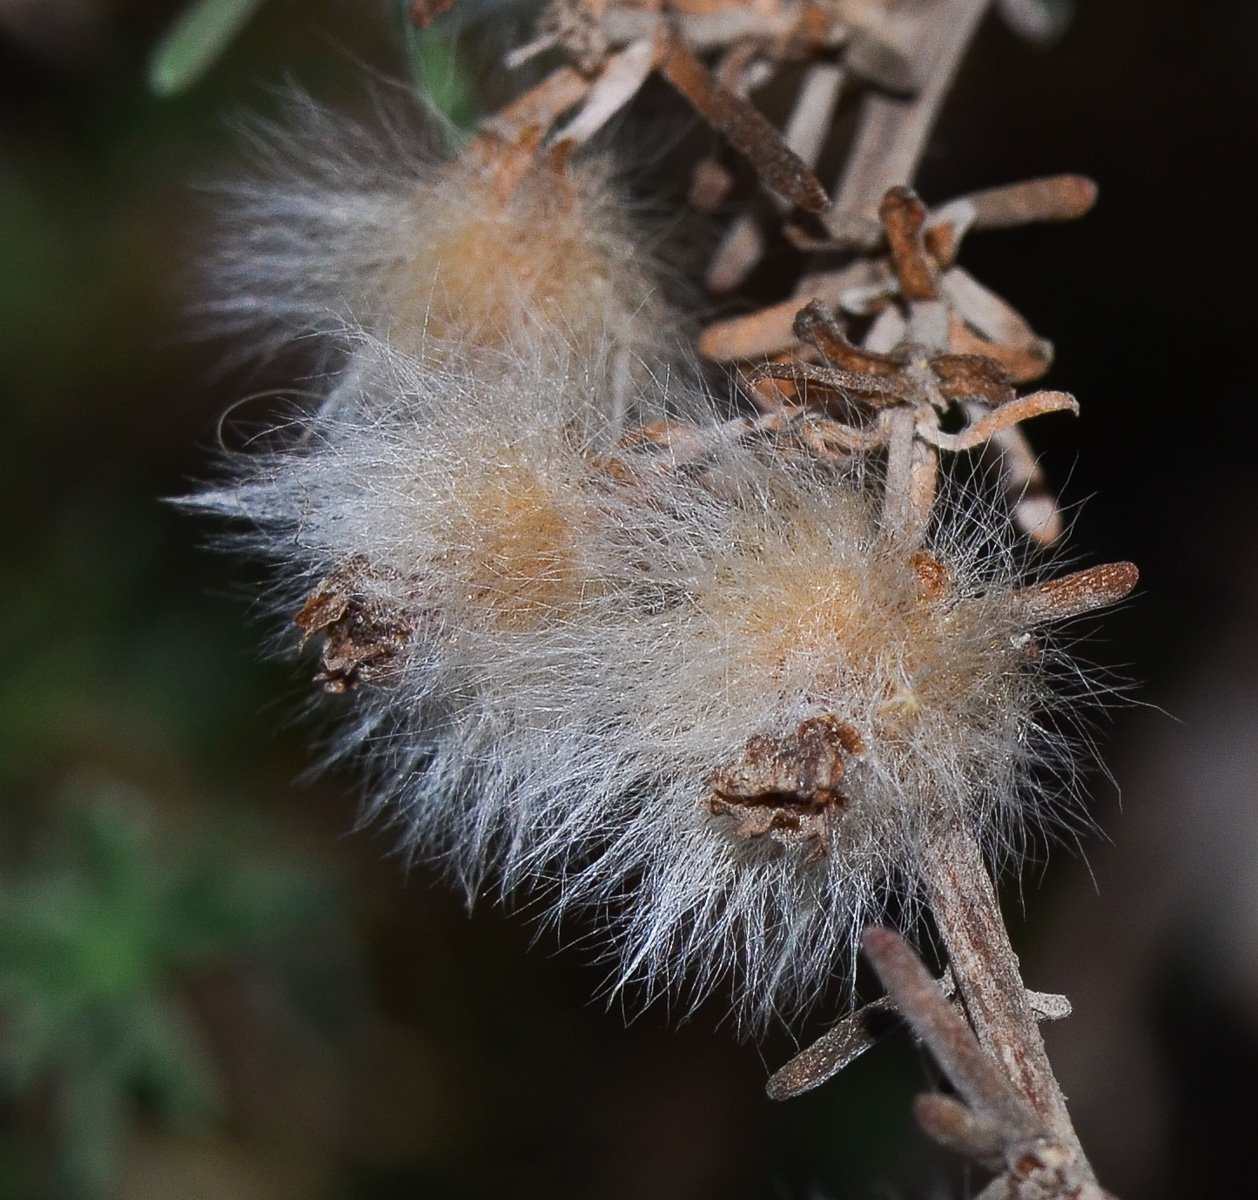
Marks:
<point>971,1070</point>
<point>998,1126</point>
<point>970,925</point>
<point>892,132</point>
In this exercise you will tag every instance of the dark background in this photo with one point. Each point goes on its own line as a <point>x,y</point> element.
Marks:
<point>341,1027</point>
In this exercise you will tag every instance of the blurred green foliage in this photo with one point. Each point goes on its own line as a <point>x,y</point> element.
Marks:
<point>438,69</point>
<point>202,32</point>
<point>195,41</point>
<point>95,936</point>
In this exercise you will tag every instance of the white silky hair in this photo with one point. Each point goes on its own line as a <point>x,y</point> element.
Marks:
<point>343,226</point>
<point>593,627</point>
<point>590,645</point>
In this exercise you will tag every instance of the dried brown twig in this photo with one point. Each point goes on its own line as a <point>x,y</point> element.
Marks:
<point>929,370</point>
<point>780,169</point>
<point>1035,1153</point>
<point>862,1029</point>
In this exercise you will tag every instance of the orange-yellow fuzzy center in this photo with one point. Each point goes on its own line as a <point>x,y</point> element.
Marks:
<point>496,266</point>
<point>773,616</point>
<point>891,635</point>
<point>520,566</point>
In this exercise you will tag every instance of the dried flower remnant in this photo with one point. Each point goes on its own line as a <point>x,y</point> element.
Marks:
<point>787,786</point>
<point>360,638</point>
<point>930,384</point>
<point>917,262</point>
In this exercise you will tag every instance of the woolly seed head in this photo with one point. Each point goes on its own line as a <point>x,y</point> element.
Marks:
<point>511,247</point>
<point>811,707</point>
<point>702,695</point>
<point>714,700</point>
<point>498,253</point>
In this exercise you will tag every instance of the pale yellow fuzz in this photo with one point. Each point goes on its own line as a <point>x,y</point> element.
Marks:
<point>519,536</point>
<point>502,258</point>
<point>795,612</point>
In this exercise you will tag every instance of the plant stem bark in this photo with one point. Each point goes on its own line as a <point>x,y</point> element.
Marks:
<point>988,977</point>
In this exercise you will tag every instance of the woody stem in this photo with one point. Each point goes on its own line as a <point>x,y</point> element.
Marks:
<point>988,978</point>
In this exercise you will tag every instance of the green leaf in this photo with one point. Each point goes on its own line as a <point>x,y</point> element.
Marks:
<point>438,70</point>
<point>195,40</point>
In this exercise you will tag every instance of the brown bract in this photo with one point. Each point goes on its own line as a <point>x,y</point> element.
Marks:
<point>940,342</point>
<point>857,401</point>
<point>904,274</point>
<point>787,787</point>
<point>361,638</point>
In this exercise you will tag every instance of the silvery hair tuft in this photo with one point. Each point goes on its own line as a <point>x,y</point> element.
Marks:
<point>596,640</point>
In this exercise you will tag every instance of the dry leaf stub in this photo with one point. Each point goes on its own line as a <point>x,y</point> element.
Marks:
<point>780,169</point>
<point>360,636</point>
<point>787,787</point>
<point>1076,594</point>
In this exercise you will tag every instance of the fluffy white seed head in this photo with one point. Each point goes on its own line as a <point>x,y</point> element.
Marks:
<point>805,708</point>
<point>710,699</point>
<point>676,676</point>
<point>500,250</point>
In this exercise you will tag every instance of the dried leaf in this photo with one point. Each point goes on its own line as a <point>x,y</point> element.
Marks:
<point>779,168</point>
<point>1076,594</point>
